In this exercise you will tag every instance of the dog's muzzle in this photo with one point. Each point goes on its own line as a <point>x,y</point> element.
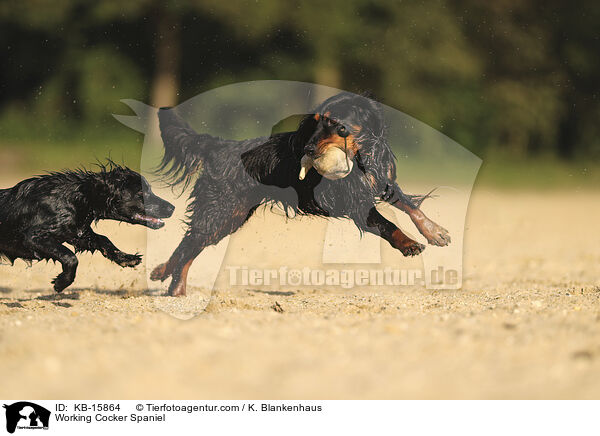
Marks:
<point>334,164</point>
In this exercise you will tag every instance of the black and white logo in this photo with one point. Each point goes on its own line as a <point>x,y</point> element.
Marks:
<point>26,415</point>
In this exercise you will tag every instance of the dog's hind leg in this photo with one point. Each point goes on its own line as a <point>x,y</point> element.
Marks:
<point>190,244</point>
<point>178,286</point>
<point>207,227</point>
<point>179,263</point>
<point>59,253</point>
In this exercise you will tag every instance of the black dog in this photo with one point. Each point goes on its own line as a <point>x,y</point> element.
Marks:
<point>38,215</point>
<point>235,177</point>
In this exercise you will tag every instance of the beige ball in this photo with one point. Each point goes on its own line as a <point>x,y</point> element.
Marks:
<point>333,164</point>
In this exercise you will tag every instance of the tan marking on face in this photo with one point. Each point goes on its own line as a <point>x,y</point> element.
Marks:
<point>337,141</point>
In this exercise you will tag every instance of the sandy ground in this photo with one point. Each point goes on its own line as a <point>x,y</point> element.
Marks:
<point>526,323</point>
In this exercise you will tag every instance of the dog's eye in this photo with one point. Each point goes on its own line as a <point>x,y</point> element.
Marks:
<point>342,131</point>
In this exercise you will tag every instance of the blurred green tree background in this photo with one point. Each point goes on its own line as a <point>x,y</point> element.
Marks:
<point>511,80</point>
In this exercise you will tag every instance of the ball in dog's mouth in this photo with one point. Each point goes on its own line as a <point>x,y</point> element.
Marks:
<point>334,164</point>
<point>148,221</point>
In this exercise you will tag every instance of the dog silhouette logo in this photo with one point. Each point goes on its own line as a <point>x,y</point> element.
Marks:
<point>26,415</point>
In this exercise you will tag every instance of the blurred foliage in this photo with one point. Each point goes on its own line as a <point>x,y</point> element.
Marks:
<point>508,78</point>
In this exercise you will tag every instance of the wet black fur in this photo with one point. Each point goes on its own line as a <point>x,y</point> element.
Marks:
<point>39,215</point>
<point>235,177</point>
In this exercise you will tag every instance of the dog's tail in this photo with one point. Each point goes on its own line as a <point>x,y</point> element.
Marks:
<point>184,148</point>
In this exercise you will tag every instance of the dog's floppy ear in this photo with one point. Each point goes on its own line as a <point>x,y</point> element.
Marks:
<point>303,124</point>
<point>375,155</point>
<point>98,190</point>
<point>306,129</point>
<point>106,182</point>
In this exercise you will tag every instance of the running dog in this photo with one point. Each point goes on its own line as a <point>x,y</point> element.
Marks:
<point>39,215</point>
<point>336,164</point>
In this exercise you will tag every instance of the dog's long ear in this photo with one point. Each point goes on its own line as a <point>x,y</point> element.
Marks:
<point>306,129</point>
<point>99,190</point>
<point>304,124</point>
<point>375,156</point>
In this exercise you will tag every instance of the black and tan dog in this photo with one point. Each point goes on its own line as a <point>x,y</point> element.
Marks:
<point>336,164</point>
<point>39,215</point>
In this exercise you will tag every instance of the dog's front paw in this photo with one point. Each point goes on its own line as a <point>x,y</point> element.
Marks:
<point>438,236</point>
<point>61,282</point>
<point>411,248</point>
<point>160,273</point>
<point>434,233</point>
<point>128,260</point>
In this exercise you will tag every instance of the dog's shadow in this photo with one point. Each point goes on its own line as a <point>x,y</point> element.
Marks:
<point>71,294</point>
<point>75,293</point>
<point>275,293</point>
<point>60,300</point>
<point>55,296</point>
